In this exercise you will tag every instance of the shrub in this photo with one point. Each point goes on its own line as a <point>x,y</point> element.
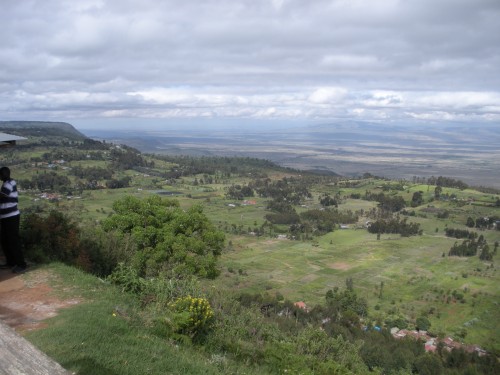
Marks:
<point>128,278</point>
<point>190,315</point>
<point>54,237</point>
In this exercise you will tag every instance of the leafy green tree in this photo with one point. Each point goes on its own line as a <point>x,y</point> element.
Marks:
<point>470,222</point>
<point>417,199</point>
<point>168,238</point>
<point>327,201</point>
<point>428,364</point>
<point>437,192</point>
<point>423,324</point>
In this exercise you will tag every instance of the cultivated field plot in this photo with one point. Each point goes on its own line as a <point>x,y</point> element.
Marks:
<point>415,276</point>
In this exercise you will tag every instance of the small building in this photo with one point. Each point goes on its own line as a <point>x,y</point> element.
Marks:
<point>430,347</point>
<point>9,140</point>
<point>301,305</point>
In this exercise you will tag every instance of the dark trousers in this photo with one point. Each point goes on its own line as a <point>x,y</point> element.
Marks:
<point>11,244</point>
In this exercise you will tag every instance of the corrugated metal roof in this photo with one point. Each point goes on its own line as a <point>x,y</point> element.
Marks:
<point>4,137</point>
<point>9,139</point>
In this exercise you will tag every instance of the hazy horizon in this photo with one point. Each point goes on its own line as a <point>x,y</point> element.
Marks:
<point>455,150</point>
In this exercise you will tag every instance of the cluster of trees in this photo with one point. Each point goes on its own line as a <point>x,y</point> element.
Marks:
<point>483,222</point>
<point>115,183</point>
<point>346,304</point>
<point>447,182</point>
<point>69,154</point>
<point>286,218</point>
<point>324,221</point>
<point>460,233</point>
<point>57,237</point>
<point>284,194</point>
<point>289,189</point>
<point>126,157</point>
<point>47,181</point>
<point>91,144</point>
<point>91,173</point>
<point>395,225</point>
<point>55,182</point>
<point>391,203</point>
<point>92,176</point>
<point>219,166</point>
<point>469,248</point>
<point>239,192</point>
<point>326,201</point>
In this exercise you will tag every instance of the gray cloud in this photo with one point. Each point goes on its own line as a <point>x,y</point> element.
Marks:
<point>368,60</point>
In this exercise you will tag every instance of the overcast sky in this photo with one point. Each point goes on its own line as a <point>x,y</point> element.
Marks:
<point>374,60</point>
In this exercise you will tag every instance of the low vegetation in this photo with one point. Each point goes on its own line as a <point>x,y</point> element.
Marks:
<point>248,267</point>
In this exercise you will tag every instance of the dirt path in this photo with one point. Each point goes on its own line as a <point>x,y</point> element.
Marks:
<point>27,300</point>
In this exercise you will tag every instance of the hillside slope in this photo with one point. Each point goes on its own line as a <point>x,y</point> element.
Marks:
<point>41,129</point>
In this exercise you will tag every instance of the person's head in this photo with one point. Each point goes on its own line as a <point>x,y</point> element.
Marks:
<point>5,173</point>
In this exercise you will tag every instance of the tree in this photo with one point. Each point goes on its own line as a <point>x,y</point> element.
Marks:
<point>54,237</point>
<point>437,192</point>
<point>417,199</point>
<point>470,222</point>
<point>428,364</point>
<point>168,238</point>
<point>349,283</point>
<point>423,324</point>
<point>327,201</point>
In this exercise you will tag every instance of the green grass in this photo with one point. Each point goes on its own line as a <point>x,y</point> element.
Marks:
<point>92,338</point>
<point>415,275</point>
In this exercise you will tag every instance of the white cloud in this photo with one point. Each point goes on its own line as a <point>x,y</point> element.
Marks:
<point>327,95</point>
<point>275,58</point>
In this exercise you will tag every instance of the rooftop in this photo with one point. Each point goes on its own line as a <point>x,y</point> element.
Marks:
<point>9,139</point>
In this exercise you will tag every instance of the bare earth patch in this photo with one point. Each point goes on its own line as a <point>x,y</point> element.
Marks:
<point>27,300</point>
<point>340,266</point>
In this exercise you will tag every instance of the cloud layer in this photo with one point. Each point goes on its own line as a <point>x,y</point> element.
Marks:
<point>389,60</point>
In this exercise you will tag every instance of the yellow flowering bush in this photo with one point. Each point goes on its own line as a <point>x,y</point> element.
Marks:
<point>191,314</point>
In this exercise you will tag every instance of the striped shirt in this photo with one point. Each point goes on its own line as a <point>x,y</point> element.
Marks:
<point>8,199</point>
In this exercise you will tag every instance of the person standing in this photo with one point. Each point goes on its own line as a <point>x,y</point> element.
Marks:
<point>9,221</point>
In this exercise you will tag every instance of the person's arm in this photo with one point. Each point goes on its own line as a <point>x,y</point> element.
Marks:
<point>5,190</point>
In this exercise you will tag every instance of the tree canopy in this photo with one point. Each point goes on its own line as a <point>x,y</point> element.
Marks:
<point>168,238</point>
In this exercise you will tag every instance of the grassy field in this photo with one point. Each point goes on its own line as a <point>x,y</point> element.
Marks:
<point>418,276</point>
<point>398,276</point>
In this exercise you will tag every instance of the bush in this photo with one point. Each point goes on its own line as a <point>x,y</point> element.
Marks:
<point>51,238</point>
<point>128,278</point>
<point>423,324</point>
<point>190,316</point>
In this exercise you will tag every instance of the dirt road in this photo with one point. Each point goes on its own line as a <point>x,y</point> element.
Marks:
<point>27,300</point>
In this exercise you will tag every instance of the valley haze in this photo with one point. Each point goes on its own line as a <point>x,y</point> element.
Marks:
<point>470,153</point>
